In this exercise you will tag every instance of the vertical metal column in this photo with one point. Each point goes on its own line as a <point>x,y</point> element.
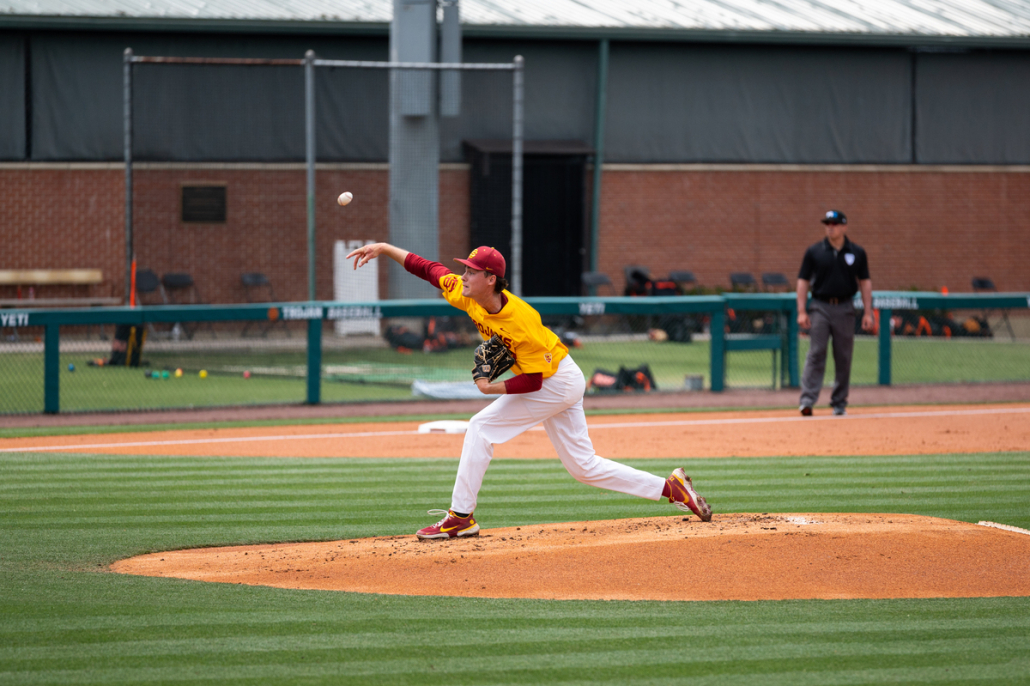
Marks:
<point>52,369</point>
<point>127,142</point>
<point>794,379</point>
<point>717,329</point>
<point>309,146</point>
<point>914,121</point>
<point>314,395</point>
<point>414,209</point>
<point>516,179</point>
<point>602,99</point>
<point>885,347</point>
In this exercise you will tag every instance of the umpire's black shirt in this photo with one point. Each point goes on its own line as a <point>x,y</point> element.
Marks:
<point>834,273</point>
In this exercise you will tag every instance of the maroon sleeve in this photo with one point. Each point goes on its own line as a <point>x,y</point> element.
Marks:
<point>424,269</point>
<point>524,383</point>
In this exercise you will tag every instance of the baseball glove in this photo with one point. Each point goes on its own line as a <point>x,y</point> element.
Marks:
<point>491,359</point>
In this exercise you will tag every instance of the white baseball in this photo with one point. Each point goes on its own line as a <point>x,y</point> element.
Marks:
<point>345,198</point>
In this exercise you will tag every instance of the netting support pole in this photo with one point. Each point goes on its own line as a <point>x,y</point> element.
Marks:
<point>309,146</point>
<point>516,178</point>
<point>127,142</point>
<point>793,379</point>
<point>717,329</point>
<point>884,356</point>
<point>52,369</point>
<point>595,208</point>
<point>314,361</point>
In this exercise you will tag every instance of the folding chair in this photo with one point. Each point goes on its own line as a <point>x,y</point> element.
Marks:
<point>149,291</point>
<point>742,282</point>
<point>180,289</point>
<point>593,281</point>
<point>773,281</point>
<point>258,289</point>
<point>683,279</point>
<point>982,284</point>
<point>148,288</point>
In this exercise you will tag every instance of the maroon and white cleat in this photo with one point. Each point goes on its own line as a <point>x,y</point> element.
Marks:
<point>685,497</point>
<point>451,526</point>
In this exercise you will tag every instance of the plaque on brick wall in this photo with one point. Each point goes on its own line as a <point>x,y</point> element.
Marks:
<point>203,204</point>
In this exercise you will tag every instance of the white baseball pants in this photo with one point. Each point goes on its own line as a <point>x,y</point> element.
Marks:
<point>559,405</point>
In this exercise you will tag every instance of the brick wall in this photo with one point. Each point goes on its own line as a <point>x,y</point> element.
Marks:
<point>73,217</point>
<point>265,228</point>
<point>55,218</point>
<point>927,228</point>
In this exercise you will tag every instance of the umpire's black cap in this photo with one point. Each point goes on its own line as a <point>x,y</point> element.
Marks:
<point>835,217</point>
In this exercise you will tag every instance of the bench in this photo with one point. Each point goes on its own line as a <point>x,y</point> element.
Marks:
<point>84,278</point>
<point>55,277</point>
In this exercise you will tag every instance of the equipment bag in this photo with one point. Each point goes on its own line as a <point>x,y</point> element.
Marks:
<point>629,380</point>
<point>127,346</point>
<point>639,379</point>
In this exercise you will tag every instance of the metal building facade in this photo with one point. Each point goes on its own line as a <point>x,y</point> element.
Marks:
<point>889,82</point>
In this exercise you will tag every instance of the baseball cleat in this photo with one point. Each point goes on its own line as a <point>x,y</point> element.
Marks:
<point>685,497</point>
<point>840,411</point>
<point>806,411</point>
<point>451,526</point>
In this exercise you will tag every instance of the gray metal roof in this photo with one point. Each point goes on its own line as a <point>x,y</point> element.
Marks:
<point>261,10</point>
<point>629,18</point>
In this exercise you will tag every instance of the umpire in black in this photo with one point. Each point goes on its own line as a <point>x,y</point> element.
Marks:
<point>835,269</point>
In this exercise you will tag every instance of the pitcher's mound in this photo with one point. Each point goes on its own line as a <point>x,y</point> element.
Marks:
<point>734,557</point>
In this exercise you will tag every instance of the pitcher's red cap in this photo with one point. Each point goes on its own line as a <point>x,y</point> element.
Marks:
<point>485,259</point>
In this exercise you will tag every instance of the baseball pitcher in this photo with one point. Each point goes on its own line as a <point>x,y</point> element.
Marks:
<point>547,387</point>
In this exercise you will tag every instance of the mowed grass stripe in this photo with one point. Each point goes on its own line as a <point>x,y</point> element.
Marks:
<point>944,476</point>
<point>173,491</point>
<point>529,506</point>
<point>90,468</point>
<point>530,641</point>
<point>372,620</point>
<point>99,463</point>
<point>399,656</point>
<point>216,473</point>
<point>778,664</point>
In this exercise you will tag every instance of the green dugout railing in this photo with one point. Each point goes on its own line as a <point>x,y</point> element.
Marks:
<point>888,302</point>
<point>783,343</point>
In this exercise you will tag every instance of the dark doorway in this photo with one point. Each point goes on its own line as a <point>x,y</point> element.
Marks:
<point>553,209</point>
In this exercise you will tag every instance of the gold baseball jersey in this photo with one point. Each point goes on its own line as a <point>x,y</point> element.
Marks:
<point>535,347</point>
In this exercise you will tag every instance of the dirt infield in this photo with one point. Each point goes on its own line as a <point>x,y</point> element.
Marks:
<point>865,431</point>
<point>730,399</point>
<point>735,557</point>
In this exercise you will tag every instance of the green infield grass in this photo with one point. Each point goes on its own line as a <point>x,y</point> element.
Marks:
<point>67,620</point>
<point>377,374</point>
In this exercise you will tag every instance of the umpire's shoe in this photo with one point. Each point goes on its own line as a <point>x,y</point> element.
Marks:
<point>451,526</point>
<point>686,498</point>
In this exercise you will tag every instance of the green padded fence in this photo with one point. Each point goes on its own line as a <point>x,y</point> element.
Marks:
<point>313,352</point>
<point>928,312</point>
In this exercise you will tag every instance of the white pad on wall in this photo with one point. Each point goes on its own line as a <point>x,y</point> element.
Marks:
<point>350,285</point>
